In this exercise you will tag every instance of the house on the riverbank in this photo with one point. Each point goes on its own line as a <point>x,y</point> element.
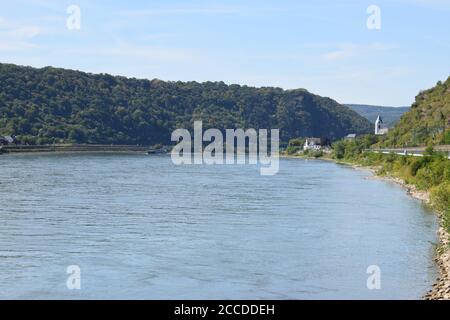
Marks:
<point>6,140</point>
<point>312,144</point>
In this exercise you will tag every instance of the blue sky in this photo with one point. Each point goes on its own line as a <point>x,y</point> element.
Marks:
<point>322,46</point>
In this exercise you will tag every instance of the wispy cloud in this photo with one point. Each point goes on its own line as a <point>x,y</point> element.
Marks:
<point>181,11</point>
<point>14,36</point>
<point>350,50</point>
<point>435,4</point>
<point>204,10</point>
<point>24,32</point>
<point>133,52</point>
<point>158,36</point>
<point>345,51</point>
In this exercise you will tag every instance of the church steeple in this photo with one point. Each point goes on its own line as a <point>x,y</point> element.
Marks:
<point>378,123</point>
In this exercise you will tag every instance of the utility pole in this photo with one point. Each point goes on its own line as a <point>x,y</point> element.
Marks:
<point>444,127</point>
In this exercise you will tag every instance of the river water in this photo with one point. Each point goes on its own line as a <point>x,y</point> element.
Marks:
<point>139,227</point>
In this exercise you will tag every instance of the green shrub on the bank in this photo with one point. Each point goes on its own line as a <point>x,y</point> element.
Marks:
<point>313,153</point>
<point>432,172</point>
<point>295,145</point>
<point>425,172</point>
<point>440,197</point>
<point>349,149</point>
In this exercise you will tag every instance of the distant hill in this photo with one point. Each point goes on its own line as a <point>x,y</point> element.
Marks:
<point>424,123</point>
<point>51,105</point>
<point>390,115</point>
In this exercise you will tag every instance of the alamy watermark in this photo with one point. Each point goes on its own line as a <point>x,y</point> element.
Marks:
<point>374,20</point>
<point>374,279</point>
<point>235,146</point>
<point>73,22</point>
<point>73,281</point>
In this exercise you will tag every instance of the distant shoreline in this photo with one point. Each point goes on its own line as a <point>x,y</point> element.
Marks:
<point>82,148</point>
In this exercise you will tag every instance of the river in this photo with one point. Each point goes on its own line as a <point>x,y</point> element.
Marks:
<point>139,227</point>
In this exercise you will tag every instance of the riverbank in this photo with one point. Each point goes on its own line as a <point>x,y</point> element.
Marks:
<point>441,288</point>
<point>398,173</point>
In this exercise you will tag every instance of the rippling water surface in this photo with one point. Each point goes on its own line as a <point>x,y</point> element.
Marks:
<point>140,227</point>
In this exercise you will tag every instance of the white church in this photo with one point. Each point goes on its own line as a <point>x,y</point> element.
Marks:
<point>379,128</point>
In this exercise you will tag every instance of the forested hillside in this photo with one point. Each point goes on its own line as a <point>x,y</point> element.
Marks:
<point>428,121</point>
<point>50,105</point>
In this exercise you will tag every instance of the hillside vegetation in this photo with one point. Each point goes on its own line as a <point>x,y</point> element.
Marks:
<point>424,124</point>
<point>49,105</point>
